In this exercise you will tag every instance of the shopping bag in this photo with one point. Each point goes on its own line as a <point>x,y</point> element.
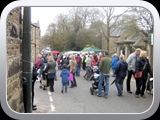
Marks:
<point>44,82</point>
<point>70,78</point>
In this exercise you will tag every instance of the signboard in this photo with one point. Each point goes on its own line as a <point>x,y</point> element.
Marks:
<point>150,38</point>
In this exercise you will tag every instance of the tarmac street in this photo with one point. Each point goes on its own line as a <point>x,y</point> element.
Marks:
<point>80,100</point>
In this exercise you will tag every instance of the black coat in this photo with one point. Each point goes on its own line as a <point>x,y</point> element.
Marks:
<point>66,61</point>
<point>140,63</point>
<point>121,68</point>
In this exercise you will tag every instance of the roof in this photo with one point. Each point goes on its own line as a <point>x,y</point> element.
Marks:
<point>92,50</point>
<point>116,32</point>
<point>36,24</point>
<point>137,37</point>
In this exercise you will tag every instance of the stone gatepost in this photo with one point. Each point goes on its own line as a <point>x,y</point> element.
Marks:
<point>126,44</point>
<point>119,43</point>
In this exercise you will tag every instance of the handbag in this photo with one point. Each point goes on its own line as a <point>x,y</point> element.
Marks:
<point>139,74</point>
<point>70,78</point>
<point>73,71</point>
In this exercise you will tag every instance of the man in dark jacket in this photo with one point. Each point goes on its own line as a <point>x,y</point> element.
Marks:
<point>34,78</point>
<point>66,61</point>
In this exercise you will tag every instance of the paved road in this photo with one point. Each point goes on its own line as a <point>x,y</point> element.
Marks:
<point>79,99</point>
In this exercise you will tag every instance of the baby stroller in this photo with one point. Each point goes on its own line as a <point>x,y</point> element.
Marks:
<point>151,80</point>
<point>95,80</point>
<point>43,81</point>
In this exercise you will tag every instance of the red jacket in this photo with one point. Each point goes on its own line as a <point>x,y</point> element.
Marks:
<point>38,62</point>
<point>100,58</point>
<point>93,62</point>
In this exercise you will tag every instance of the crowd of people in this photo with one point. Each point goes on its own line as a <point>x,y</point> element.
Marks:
<point>120,66</point>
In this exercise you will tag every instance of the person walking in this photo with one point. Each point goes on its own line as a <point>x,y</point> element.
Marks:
<point>51,71</point>
<point>131,67</point>
<point>64,75</point>
<point>93,61</point>
<point>41,64</point>
<point>73,65</point>
<point>88,71</point>
<point>142,64</point>
<point>79,62</point>
<point>84,61</point>
<point>66,60</point>
<point>120,72</point>
<point>89,59</point>
<point>34,78</point>
<point>100,58</point>
<point>38,61</point>
<point>114,64</point>
<point>104,68</point>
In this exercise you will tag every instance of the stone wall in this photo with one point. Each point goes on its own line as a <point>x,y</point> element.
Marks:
<point>14,64</point>
<point>35,42</point>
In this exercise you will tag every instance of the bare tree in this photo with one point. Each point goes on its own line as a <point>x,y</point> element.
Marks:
<point>144,20</point>
<point>111,20</point>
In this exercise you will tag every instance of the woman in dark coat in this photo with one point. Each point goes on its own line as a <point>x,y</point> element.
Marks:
<point>142,63</point>
<point>51,71</point>
<point>120,72</point>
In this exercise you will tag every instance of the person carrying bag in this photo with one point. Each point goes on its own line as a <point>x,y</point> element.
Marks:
<point>142,64</point>
<point>139,73</point>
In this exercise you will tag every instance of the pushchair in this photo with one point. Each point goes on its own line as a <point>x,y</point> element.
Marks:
<point>95,80</point>
<point>149,88</point>
<point>151,80</point>
<point>43,81</point>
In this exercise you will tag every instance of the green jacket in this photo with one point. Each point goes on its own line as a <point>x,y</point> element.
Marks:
<point>105,65</point>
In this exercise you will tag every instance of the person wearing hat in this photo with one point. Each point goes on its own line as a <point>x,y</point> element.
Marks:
<point>131,60</point>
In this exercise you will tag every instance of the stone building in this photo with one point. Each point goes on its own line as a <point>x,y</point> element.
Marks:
<point>122,38</point>
<point>14,57</point>
<point>35,40</point>
<point>14,64</point>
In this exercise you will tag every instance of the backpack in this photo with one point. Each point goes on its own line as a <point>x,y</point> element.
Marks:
<point>45,60</point>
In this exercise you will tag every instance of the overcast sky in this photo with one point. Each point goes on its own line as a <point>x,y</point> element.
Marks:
<point>45,15</point>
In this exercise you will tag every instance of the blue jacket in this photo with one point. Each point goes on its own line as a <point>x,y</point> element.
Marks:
<point>121,68</point>
<point>64,74</point>
<point>114,62</point>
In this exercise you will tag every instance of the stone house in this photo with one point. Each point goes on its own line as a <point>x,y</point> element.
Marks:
<point>118,38</point>
<point>14,57</point>
<point>35,40</point>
